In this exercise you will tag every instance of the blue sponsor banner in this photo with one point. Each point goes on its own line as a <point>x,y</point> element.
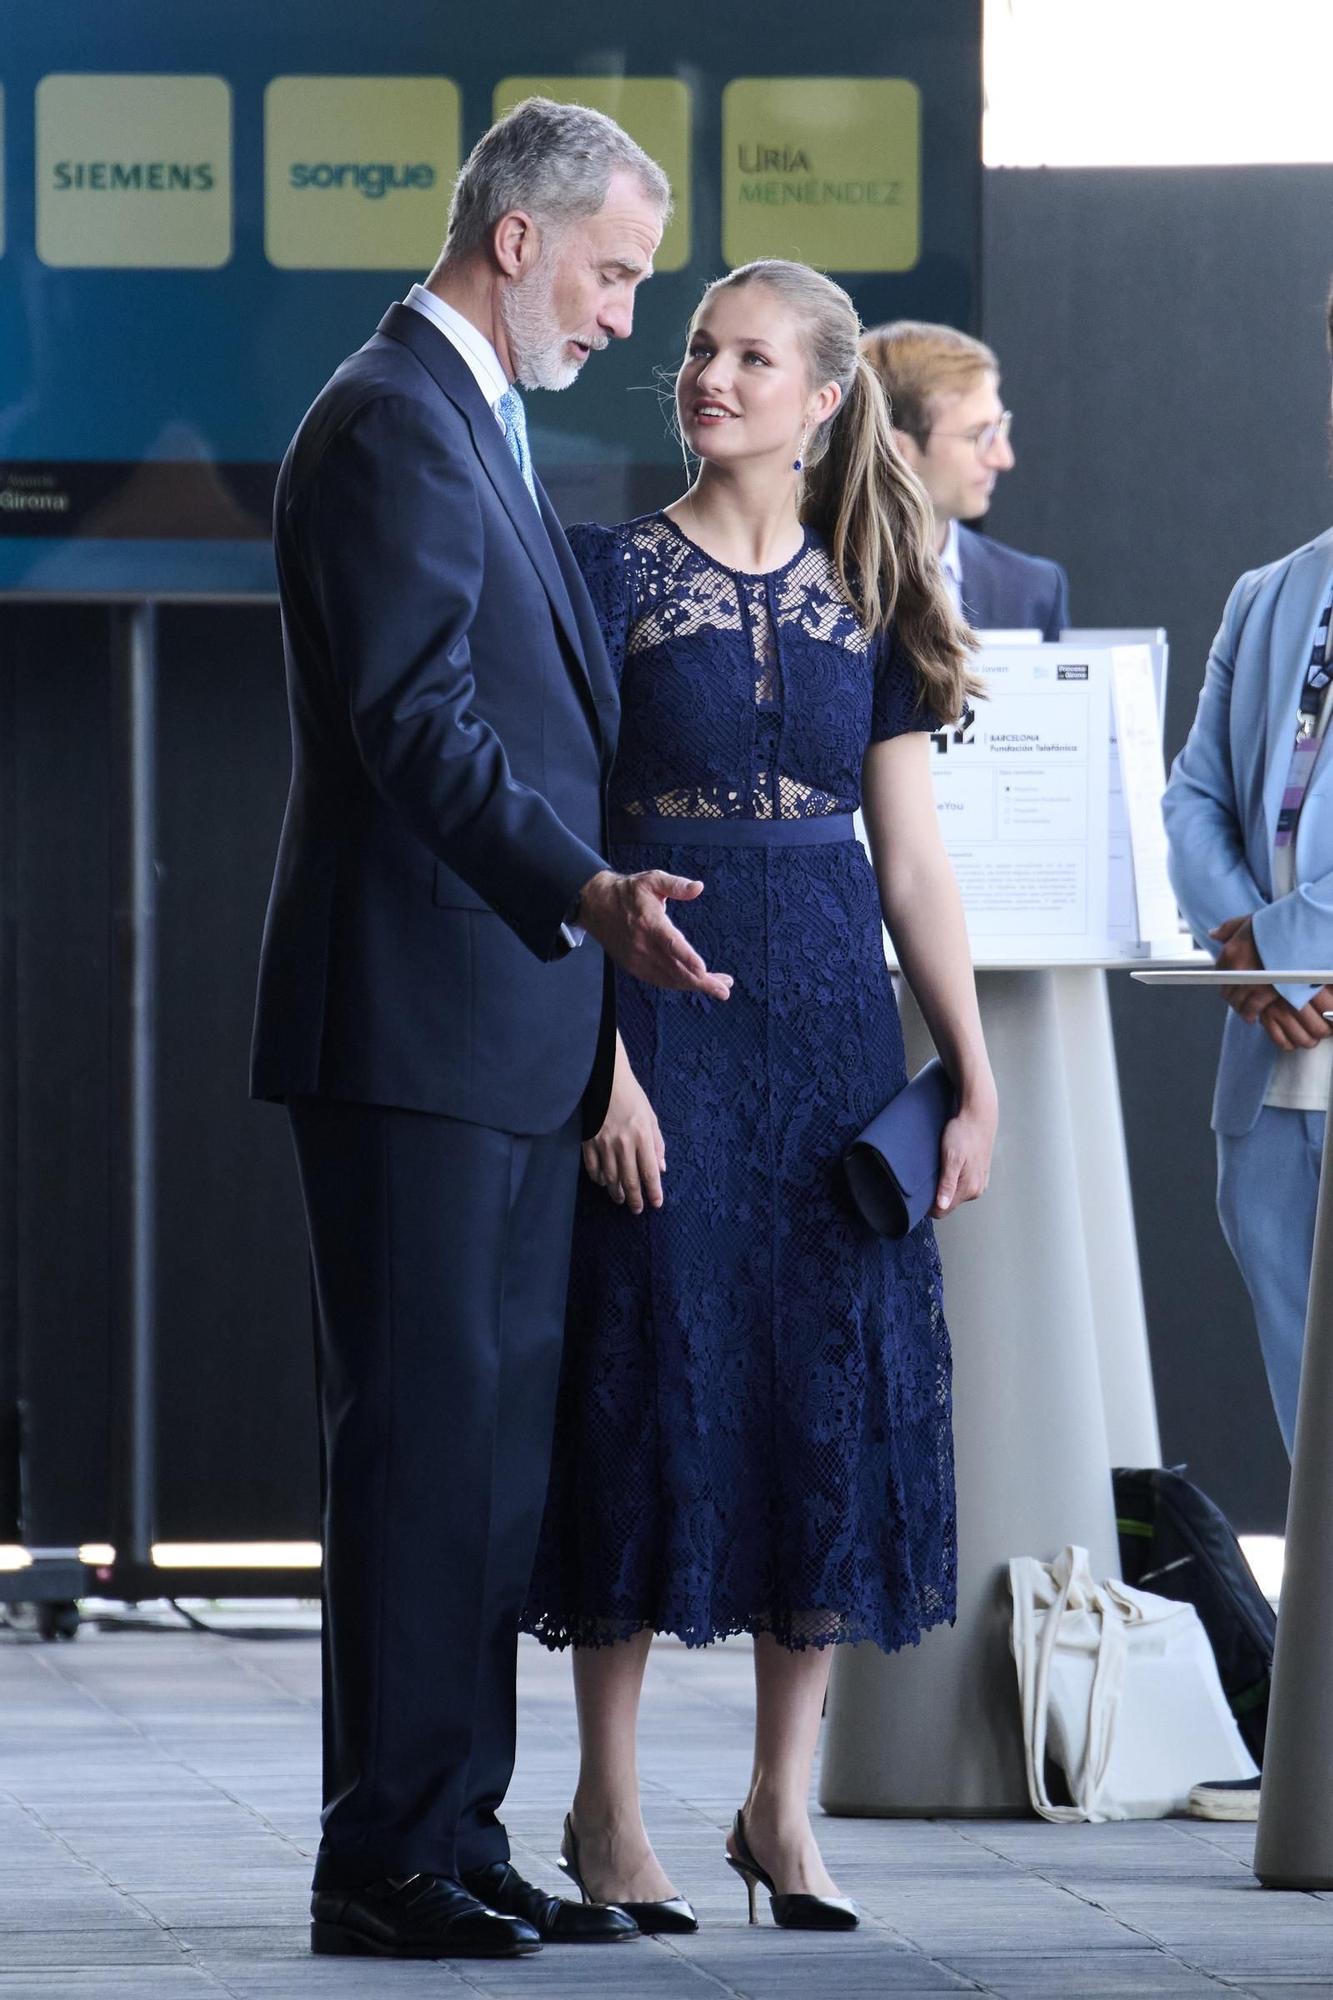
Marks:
<point>204,209</point>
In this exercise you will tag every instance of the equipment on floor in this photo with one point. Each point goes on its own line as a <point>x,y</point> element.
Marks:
<point>1176,1542</point>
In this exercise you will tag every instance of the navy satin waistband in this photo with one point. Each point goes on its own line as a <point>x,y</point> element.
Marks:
<point>658,830</point>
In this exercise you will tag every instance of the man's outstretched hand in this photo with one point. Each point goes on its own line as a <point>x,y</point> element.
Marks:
<point>627,916</point>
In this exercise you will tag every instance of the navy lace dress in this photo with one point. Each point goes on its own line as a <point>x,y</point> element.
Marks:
<point>754,1422</point>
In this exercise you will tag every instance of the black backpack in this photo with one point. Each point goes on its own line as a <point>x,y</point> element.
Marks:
<point>1175,1542</point>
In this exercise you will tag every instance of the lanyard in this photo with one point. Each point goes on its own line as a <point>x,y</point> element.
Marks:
<point>1317,677</point>
<point>1307,746</point>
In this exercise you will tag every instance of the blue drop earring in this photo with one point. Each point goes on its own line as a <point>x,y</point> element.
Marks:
<point>799,461</point>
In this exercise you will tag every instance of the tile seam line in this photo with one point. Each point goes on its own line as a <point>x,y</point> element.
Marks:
<point>1218,1979</point>
<point>173,1758</point>
<point>699,1972</point>
<point>187,1954</point>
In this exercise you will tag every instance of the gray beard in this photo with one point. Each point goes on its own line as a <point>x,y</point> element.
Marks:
<point>535,340</point>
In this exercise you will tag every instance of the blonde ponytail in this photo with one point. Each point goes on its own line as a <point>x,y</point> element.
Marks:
<point>872,509</point>
<point>863,497</point>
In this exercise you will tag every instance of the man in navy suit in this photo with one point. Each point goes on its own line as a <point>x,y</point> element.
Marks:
<point>944,396</point>
<point>435,1012</point>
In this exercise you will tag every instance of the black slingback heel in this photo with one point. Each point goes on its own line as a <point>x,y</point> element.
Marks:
<point>673,1916</point>
<point>791,1913</point>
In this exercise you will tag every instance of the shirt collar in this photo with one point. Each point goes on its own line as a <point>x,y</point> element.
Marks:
<point>951,560</point>
<point>474,347</point>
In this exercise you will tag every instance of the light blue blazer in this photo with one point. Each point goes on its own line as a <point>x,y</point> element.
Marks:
<point>1221,804</point>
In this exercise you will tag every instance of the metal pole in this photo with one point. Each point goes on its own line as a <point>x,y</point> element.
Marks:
<point>134,1059</point>
<point>1293,1847</point>
<point>14,1526</point>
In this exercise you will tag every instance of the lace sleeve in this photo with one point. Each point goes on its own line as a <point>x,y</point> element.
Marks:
<point>603,556</point>
<point>899,703</point>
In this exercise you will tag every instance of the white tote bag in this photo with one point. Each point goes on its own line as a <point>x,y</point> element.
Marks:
<point>1121,1688</point>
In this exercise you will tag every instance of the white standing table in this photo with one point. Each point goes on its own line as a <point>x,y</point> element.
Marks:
<point>1052,1386</point>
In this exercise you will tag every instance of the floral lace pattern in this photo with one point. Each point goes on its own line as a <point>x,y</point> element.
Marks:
<point>761,691</point>
<point>754,1425</point>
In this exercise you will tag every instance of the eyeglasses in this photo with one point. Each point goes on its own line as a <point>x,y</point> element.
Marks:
<point>985,437</point>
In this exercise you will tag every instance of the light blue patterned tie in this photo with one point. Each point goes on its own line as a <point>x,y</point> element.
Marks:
<point>509,410</point>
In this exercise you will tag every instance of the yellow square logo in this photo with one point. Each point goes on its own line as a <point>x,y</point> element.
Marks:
<point>654,110</point>
<point>134,171</point>
<point>358,171</point>
<point>823,169</point>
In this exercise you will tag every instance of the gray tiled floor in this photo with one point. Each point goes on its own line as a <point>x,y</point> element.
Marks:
<point>157,1817</point>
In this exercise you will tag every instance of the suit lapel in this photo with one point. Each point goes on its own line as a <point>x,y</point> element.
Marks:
<point>977,580</point>
<point>1291,635</point>
<point>966,574</point>
<point>601,678</point>
<point>448,369</point>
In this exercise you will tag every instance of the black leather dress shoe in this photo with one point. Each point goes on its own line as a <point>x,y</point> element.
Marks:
<point>553,1919</point>
<point>417,1916</point>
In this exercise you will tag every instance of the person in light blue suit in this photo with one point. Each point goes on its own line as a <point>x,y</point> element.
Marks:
<point>1251,858</point>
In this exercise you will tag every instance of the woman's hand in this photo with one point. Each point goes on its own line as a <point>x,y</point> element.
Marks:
<point>628,1157</point>
<point>965,1154</point>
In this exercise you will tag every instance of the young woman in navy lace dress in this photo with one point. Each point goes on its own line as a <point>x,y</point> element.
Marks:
<point>754,1424</point>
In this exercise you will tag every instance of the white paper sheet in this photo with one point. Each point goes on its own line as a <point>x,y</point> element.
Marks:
<point>1142,780</point>
<point>1022,794</point>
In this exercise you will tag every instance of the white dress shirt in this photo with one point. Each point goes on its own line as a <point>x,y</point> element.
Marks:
<point>488,373</point>
<point>474,347</point>
<point>1301,1077</point>
<point>951,562</point>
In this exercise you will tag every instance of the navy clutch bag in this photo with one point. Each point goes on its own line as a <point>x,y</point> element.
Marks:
<point>893,1168</point>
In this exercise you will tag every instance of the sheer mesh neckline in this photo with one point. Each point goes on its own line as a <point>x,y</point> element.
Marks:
<point>742,697</point>
<point>742,575</point>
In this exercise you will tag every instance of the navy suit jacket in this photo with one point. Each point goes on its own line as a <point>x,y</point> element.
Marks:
<point>1004,590</point>
<point>453,720</point>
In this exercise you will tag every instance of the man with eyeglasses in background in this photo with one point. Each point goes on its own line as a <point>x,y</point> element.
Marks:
<point>944,397</point>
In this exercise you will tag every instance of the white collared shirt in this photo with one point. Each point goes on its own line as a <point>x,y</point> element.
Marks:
<point>476,350</point>
<point>951,562</point>
<point>1301,1077</point>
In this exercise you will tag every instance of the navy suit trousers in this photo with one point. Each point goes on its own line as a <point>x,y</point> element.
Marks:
<point>440,1254</point>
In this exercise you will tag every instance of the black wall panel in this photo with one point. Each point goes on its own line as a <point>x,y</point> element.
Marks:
<point>1162,339</point>
<point>236,1437</point>
<point>56,1379</point>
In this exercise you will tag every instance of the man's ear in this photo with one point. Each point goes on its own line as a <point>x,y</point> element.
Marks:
<point>515,243</point>
<point>907,446</point>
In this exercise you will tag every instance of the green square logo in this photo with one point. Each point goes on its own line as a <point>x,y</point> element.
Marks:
<point>654,110</point>
<point>134,171</point>
<point>822,169</point>
<point>358,171</point>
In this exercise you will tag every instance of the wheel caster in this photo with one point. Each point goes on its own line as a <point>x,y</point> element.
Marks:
<point>57,1620</point>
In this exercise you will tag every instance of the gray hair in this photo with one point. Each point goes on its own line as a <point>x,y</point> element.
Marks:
<point>555,161</point>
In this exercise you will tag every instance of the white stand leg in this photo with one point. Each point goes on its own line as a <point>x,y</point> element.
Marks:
<point>1112,1246</point>
<point>935,1728</point>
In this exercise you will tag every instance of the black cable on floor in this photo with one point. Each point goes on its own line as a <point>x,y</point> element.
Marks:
<point>242,1631</point>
